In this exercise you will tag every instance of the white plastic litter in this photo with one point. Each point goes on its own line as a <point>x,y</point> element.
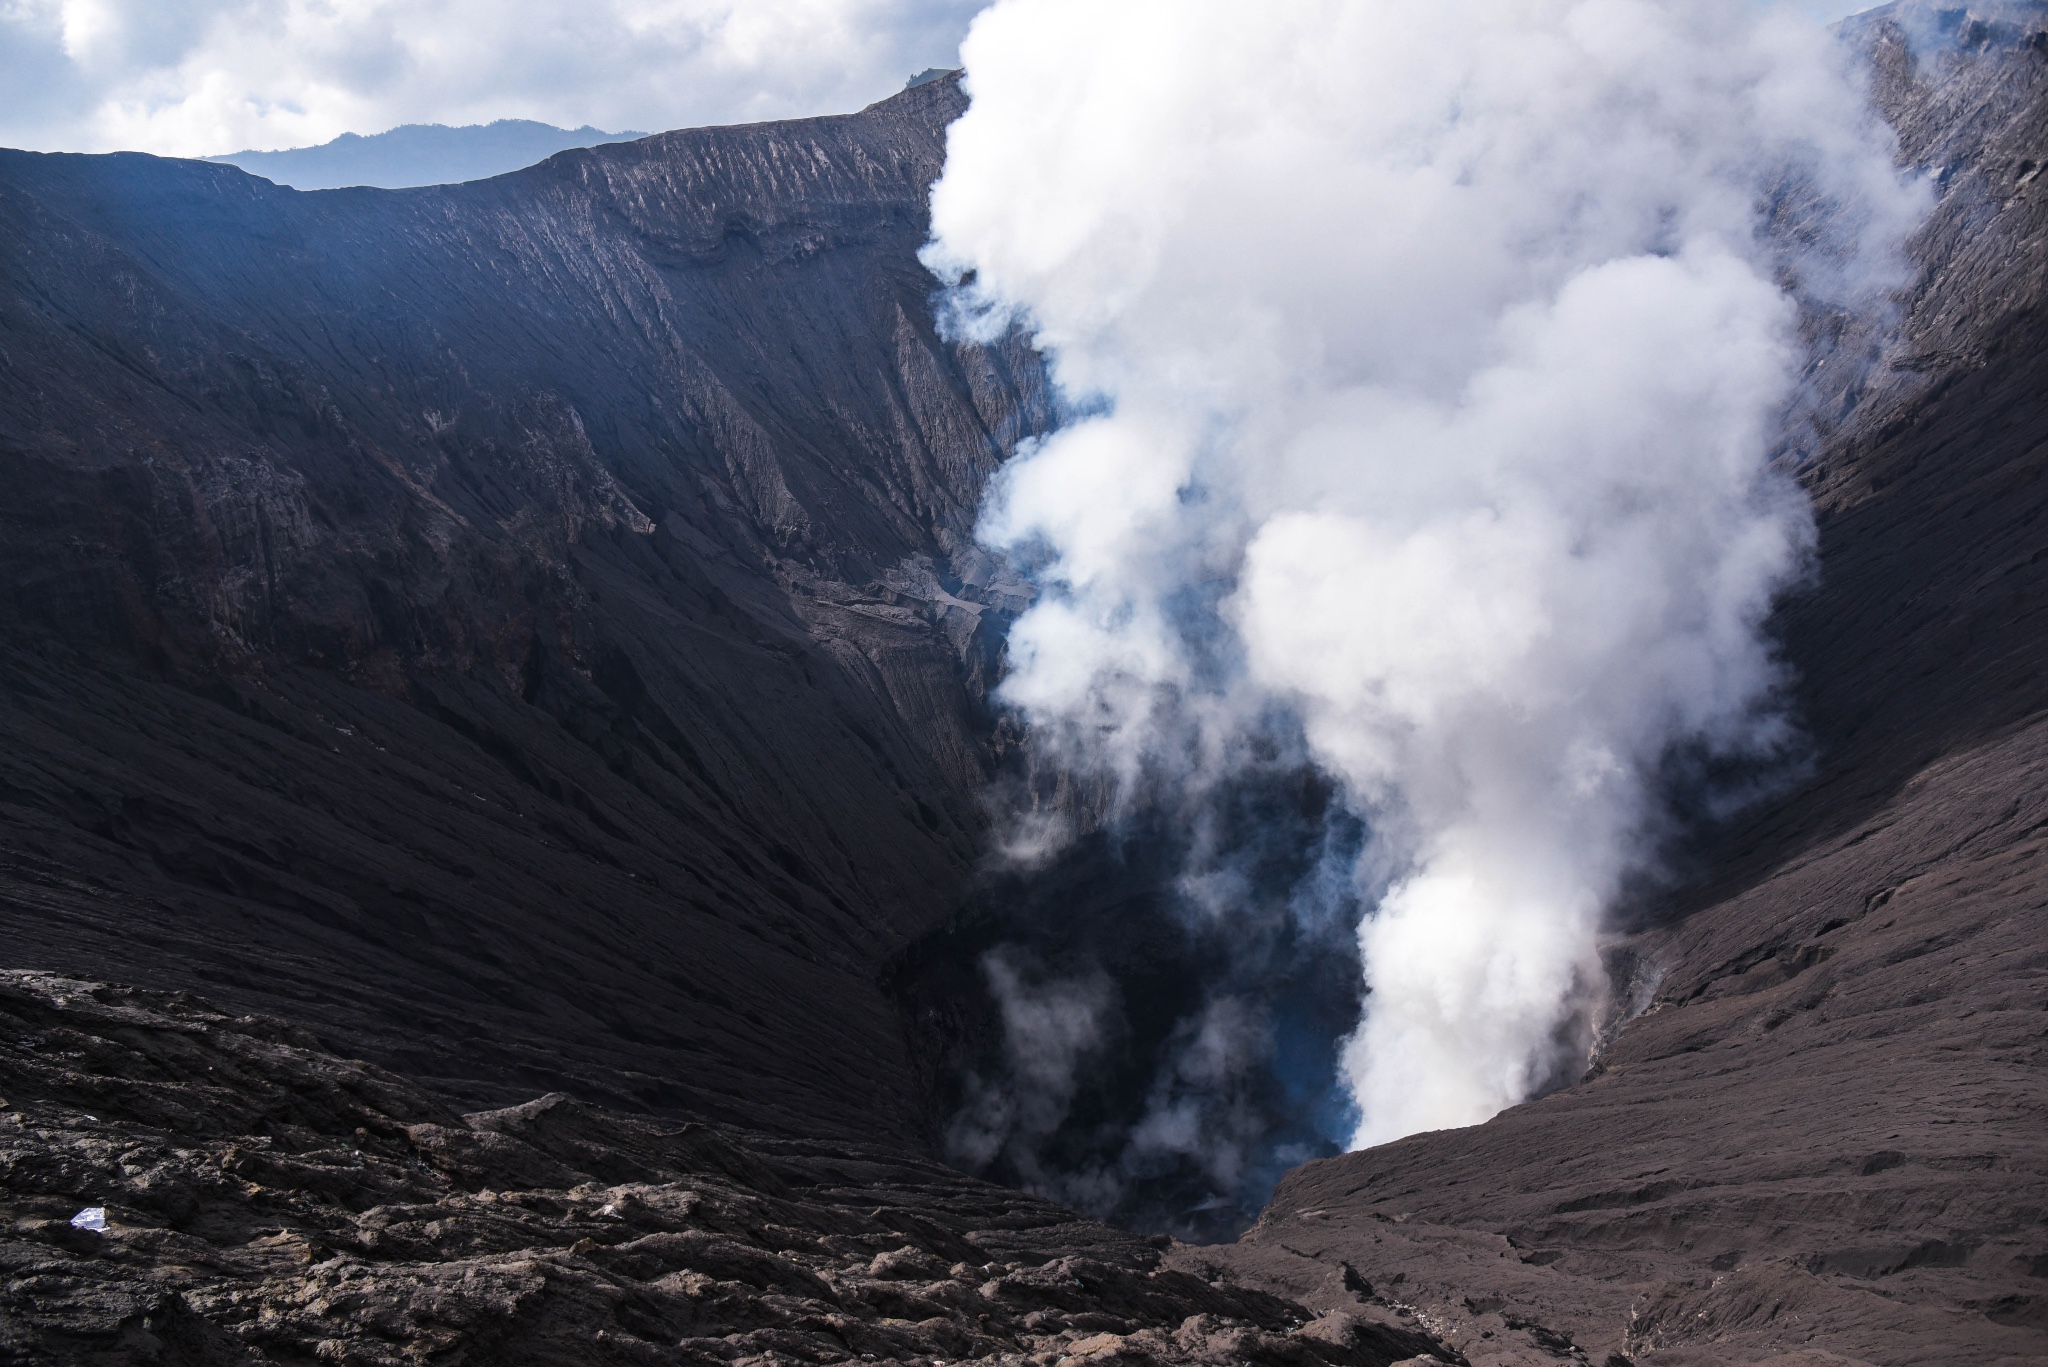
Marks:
<point>93,1218</point>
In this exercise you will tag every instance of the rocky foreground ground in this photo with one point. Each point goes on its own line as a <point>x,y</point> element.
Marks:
<point>268,1202</point>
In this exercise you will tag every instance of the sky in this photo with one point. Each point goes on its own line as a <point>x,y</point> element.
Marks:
<point>202,77</point>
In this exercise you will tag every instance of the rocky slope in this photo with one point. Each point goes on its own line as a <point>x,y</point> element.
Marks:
<point>1825,1138</point>
<point>522,630</point>
<point>262,1201</point>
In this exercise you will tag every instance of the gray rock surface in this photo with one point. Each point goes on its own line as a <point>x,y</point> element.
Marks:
<point>268,1202</point>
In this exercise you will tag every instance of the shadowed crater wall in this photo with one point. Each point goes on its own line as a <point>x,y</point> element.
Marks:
<point>525,630</point>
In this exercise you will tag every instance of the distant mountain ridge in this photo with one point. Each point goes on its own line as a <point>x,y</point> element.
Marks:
<point>420,154</point>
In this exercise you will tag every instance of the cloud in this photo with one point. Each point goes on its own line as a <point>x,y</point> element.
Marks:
<point>1431,359</point>
<point>200,77</point>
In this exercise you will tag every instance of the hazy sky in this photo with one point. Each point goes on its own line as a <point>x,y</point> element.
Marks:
<point>196,77</point>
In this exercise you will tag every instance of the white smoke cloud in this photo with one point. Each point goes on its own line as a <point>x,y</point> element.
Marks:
<point>201,77</point>
<point>1199,1109</point>
<point>1434,356</point>
<point>1053,1027</point>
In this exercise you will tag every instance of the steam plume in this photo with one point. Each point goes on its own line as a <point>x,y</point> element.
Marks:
<point>1433,358</point>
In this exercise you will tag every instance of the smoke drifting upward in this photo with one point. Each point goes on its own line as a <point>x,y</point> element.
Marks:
<point>1431,360</point>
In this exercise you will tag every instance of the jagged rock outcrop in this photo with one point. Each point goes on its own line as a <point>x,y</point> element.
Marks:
<point>263,1201</point>
<point>524,630</point>
<point>1825,1137</point>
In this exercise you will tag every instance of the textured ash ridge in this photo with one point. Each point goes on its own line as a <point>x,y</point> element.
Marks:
<point>270,1202</point>
<point>791,182</point>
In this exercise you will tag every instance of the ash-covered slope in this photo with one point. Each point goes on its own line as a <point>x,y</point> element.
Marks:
<point>522,630</point>
<point>1825,1137</point>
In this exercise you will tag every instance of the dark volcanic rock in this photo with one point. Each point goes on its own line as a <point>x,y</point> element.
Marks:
<point>1826,1139</point>
<point>267,1202</point>
<point>524,630</point>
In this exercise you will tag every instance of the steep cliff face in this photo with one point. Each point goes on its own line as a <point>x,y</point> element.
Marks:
<point>524,629</point>
<point>1823,1138</point>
